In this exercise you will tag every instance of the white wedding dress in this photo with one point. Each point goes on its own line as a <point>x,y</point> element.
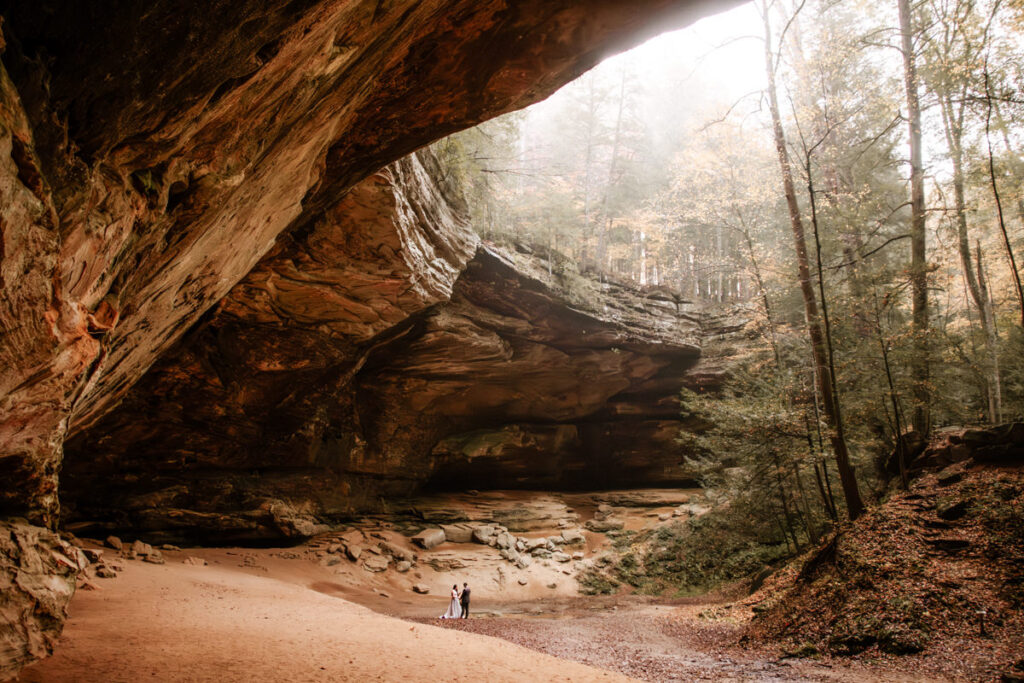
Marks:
<point>454,608</point>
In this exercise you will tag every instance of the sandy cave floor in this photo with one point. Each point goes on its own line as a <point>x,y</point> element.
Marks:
<point>275,615</point>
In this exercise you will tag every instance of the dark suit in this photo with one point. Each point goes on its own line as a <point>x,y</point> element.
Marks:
<point>464,601</point>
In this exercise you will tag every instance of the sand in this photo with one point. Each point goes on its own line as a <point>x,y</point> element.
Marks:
<point>279,620</point>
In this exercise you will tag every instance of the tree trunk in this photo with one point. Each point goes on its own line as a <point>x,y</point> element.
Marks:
<point>606,220</point>
<point>854,504</point>
<point>999,203</point>
<point>952,120</point>
<point>918,265</point>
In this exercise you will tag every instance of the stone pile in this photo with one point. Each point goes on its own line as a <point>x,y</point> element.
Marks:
<point>372,551</point>
<point>522,551</point>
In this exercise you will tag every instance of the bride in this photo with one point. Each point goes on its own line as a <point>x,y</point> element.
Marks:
<point>454,609</point>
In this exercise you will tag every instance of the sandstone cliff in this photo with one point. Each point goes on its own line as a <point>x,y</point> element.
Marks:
<point>153,153</point>
<point>379,352</point>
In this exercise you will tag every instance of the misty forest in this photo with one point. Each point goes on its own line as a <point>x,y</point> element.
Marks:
<point>668,340</point>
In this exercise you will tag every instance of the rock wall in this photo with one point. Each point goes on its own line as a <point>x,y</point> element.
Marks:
<point>382,351</point>
<point>37,578</point>
<point>153,153</point>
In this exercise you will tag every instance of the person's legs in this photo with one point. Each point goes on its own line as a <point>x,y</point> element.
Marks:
<point>465,610</point>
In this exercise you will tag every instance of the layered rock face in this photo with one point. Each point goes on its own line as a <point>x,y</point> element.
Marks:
<point>37,578</point>
<point>152,155</point>
<point>379,352</point>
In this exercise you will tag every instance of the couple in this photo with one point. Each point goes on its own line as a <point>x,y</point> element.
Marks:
<point>459,606</point>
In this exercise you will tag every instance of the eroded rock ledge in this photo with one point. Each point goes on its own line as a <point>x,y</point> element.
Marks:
<point>151,154</point>
<point>384,350</point>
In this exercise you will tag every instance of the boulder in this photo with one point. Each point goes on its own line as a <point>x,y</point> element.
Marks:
<point>105,572</point>
<point>560,557</point>
<point>951,475</point>
<point>955,510</point>
<point>573,537</point>
<point>604,526</point>
<point>420,588</point>
<point>458,533</point>
<point>429,538</point>
<point>114,542</point>
<point>38,573</point>
<point>504,540</point>
<point>353,552</point>
<point>93,555</point>
<point>403,566</point>
<point>483,534</point>
<point>375,563</point>
<point>524,561</point>
<point>395,551</point>
<point>154,557</point>
<point>534,543</point>
<point>194,561</point>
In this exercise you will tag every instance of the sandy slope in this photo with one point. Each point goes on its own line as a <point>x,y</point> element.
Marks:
<point>228,623</point>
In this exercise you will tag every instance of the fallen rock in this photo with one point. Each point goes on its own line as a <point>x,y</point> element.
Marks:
<point>560,557</point>
<point>194,561</point>
<point>420,588</point>
<point>115,542</point>
<point>483,534</point>
<point>458,533</point>
<point>952,511</point>
<point>665,516</point>
<point>504,540</point>
<point>578,556</point>
<point>949,545</point>
<point>93,555</point>
<point>154,557</point>
<point>522,582</point>
<point>375,563</point>
<point>140,548</point>
<point>951,474</point>
<point>38,572</point>
<point>170,548</point>
<point>524,561</point>
<point>403,566</point>
<point>446,564</point>
<point>429,538</point>
<point>396,552</point>
<point>353,552</point>
<point>534,543</point>
<point>573,537</point>
<point>105,572</point>
<point>552,585</point>
<point>604,526</point>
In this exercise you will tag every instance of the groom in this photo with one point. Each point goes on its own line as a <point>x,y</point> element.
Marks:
<point>464,600</point>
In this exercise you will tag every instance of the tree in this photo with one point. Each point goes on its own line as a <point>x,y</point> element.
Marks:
<point>918,254</point>
<point>825,377</point>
